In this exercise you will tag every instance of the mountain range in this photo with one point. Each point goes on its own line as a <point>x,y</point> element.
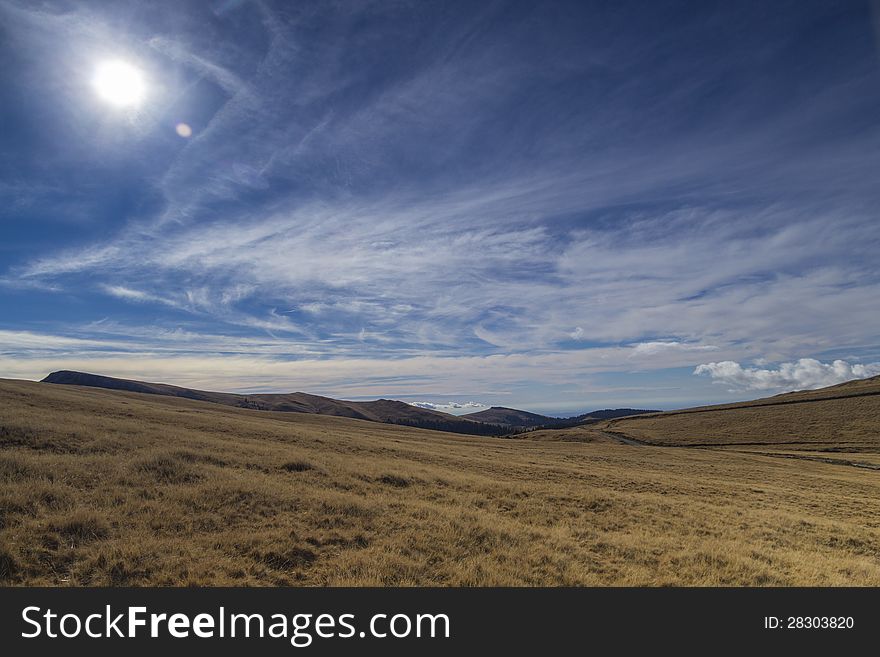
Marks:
<point>494,421</point>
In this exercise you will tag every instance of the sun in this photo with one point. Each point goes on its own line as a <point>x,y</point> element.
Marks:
<point>119,83</point>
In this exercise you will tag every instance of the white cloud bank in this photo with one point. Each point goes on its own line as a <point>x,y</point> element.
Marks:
<point>448,406</point>
<point>804,374</point>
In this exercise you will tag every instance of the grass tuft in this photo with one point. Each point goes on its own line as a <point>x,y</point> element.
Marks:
<point>297,466</point>
<point>394,480</point>
<point>8,565</point>
<point>167,470</point>
<point>82,527</point>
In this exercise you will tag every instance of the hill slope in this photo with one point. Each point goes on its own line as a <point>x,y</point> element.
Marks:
<point>382,410</point>
<point>608,413</point>
<point>513,417</point>
<point>840,418</point>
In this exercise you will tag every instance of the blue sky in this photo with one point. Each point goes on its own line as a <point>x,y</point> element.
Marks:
<point>554,206</point>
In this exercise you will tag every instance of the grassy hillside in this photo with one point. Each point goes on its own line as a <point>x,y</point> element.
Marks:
<point>515,418</point>
<point>845,417</point>
<point>120,488</point>
<point>381,410</point>
<point>510,416</point>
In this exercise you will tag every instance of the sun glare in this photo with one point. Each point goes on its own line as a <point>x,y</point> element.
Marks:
<point>119,83</point>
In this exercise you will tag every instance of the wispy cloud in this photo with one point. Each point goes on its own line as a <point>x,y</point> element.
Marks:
<point>657,346</point>
<point>129,294</point>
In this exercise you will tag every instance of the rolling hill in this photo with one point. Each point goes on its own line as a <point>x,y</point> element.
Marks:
<point>840,418</point>
<point>494,421</point>
<point>511,417</point>
<point>383,410</point>
<point>515,418</point>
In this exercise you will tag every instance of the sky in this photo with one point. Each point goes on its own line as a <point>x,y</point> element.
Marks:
<point>557,206</point>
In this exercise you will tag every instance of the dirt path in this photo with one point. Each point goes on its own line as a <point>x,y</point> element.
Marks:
<point>625,440</point>
<point>820,459</point>
<point>622,439</point>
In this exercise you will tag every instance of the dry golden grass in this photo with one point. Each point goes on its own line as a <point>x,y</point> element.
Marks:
<point>839,418</point>
<point>104,487</point>
<point>852,423</point>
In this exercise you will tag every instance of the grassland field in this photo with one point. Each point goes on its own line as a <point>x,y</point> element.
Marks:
<point>102,487</point>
